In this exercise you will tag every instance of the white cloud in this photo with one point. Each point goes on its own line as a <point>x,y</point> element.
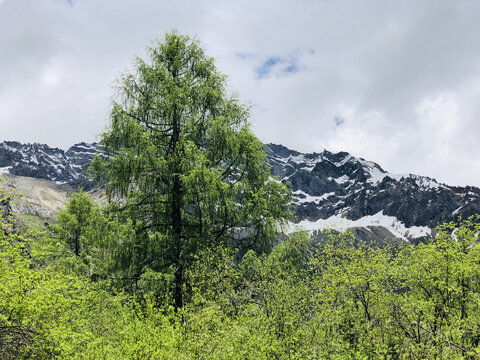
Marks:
<point>402,76</point>
<point>50,78</point>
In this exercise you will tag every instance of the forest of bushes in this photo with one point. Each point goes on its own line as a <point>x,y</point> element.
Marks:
<point>334,299</point>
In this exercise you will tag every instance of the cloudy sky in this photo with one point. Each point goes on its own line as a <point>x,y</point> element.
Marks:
<point>395,82</point>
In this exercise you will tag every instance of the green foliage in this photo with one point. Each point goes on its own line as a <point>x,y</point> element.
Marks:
<point>6,218</point>
<point>30,222</point>
<point>343,300</point>
<point>264,300</point>
<point>183,166</point>
<point>92,241</point>
<point>75,220</point>
<point>336,299</point>
<point>53,313</point>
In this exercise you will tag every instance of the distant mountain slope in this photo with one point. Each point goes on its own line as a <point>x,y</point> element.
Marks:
<point>339,190</point>
<point>43,162</point>
<point>39,197</point>
<point>332,190</point>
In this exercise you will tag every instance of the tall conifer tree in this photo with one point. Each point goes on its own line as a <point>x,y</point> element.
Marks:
<point>183,164</point>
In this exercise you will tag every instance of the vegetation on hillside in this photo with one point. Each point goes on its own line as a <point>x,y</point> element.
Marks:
<point>303,300</point>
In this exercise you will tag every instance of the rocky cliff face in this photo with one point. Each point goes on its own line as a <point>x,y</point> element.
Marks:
<point>332,190</point>
<point>341,191</point>
<point>43,162</point>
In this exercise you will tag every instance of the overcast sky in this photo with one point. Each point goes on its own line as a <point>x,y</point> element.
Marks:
<point>395,82</point>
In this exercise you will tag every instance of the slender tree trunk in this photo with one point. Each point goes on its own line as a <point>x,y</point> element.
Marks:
<point>76,243</point>
<point>178,294</point>
<point>177,213</point>
<point>177,237</point>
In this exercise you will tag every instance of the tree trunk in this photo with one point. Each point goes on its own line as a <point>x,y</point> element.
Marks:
<point>177,213</point>
<point>178,294</point>
<point>76,244</point>
<point>177,237</point>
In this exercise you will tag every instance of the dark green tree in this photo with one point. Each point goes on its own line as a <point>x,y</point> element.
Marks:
<point>92,235</point>
<point>74,220</point>
<point>183,165</point>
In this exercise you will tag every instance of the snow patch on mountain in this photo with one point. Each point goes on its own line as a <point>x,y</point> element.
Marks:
<point>5,169</point>
<point>376,173</point>
<point>427,183</point>
<point>341,180</point>
<point>303,197</point>
<point>340,223</point>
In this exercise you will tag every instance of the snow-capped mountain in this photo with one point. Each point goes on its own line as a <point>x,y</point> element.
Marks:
<point>337,190</point>
<point>43,162</point>
<point>332,190</point>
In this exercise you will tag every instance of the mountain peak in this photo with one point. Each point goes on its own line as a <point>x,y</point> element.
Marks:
<point>332,185</point>
<point>43,162</point>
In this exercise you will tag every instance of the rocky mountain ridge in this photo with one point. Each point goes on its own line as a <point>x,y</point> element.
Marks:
<point>332,190</point>
<point>43,162</point>
<point>341,191</point>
